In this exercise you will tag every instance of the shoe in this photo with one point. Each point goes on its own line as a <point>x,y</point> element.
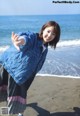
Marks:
<point>20,114</point>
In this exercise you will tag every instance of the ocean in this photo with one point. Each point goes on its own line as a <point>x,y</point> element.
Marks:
<point>65,59</point>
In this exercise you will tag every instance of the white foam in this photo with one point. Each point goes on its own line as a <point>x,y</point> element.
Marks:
<point>62,76</point>
<point>3,48</point>
<point>69,43</point>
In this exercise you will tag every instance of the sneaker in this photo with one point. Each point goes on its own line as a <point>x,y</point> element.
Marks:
<point>20,114</point>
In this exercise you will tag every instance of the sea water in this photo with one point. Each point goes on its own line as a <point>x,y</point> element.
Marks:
<point>65,59</point>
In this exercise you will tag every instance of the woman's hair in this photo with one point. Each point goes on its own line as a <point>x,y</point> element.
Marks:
<point>54,42</point>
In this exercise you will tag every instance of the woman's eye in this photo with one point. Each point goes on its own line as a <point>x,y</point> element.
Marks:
<point>48,31</point>
<point>53,34</point>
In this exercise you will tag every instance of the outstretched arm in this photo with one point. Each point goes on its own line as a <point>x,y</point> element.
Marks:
<point>17,40</point>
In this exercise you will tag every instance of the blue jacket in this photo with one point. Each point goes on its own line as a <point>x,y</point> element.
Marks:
<point>25,63</point>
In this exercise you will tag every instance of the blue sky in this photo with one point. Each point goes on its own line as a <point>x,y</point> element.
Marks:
<point>29,7</point>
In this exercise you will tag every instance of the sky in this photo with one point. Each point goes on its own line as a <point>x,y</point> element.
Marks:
<point>37,7</point>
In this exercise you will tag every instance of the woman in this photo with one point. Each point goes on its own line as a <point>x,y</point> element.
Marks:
<point>23,60</point>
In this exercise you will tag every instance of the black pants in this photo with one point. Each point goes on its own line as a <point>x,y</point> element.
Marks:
<point>12,92</point>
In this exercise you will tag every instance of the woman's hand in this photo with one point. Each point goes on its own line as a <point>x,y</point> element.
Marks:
<point>17,41</point>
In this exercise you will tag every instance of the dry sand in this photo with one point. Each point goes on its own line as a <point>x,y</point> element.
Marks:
<point>53,96</point>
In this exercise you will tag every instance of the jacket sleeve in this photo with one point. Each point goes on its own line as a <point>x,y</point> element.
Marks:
<point>29,40</point>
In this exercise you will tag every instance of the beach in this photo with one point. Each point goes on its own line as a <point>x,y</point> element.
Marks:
<point>50,96</point>
<point>53,96</point>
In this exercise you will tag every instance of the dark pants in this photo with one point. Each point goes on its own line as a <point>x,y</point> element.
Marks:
<point>14,94</point>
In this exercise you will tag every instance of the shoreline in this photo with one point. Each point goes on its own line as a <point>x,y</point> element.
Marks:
<point>58,76</point>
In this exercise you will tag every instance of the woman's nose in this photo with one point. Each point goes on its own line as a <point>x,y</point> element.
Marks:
<point>49,35</point>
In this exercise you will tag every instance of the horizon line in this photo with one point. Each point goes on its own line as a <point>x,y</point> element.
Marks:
<point>35,14</point>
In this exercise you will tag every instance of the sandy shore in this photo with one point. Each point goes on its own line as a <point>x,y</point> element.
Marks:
<point>53,96</point>
<point>50,96</point>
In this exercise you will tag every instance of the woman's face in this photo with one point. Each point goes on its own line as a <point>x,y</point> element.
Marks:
<point>48,34</point>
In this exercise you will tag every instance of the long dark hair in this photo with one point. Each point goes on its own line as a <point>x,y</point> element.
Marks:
<point>54,42</point>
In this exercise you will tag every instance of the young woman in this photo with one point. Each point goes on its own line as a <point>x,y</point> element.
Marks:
<point>23,60</point>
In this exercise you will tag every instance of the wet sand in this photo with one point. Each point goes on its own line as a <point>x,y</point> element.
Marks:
<point>54,96</point>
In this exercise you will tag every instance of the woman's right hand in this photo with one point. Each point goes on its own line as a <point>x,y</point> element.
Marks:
<point>16,41</point>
